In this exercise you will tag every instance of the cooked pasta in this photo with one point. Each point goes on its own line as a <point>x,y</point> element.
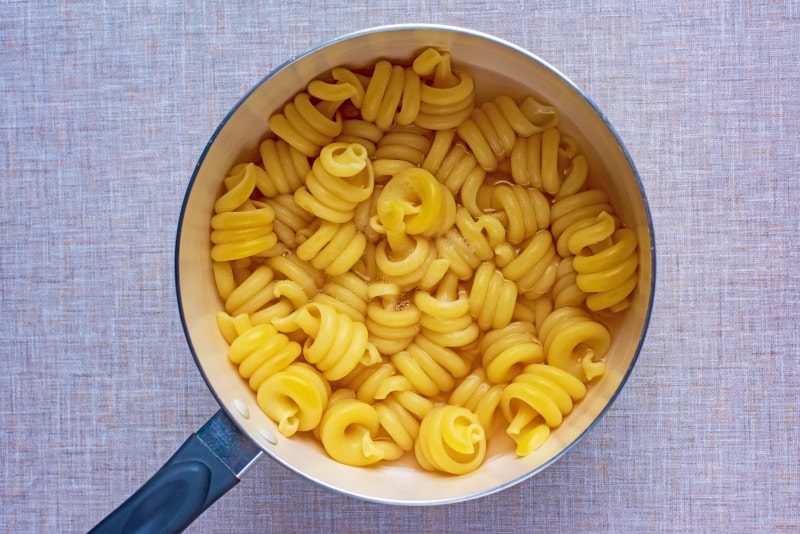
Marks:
<point>392,319</point>
<point>536,401</point>
<point>451,439</point>
<point>406,270</point>
<point>336,344</point>
<point>573,341</point>
<point>507,350</point>
<point>477,394</point>
<point>340,178</point>
<point>349,432</point>
<point>294,397</point>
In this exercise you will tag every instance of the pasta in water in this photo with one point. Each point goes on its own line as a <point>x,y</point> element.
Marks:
<point>406,270</point>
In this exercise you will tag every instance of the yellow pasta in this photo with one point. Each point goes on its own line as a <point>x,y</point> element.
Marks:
<point>294,397</point>
<point>537,401</point>
<point>507,350</point>
<point>451,439</point>
<point>340,178</point>
<point>349,431</point>
<point>404,270</point>
<point>335,344</point>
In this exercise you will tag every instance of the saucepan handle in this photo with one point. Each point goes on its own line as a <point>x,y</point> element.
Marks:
<point>203,469</point>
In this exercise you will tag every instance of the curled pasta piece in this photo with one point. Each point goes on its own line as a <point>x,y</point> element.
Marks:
<point>451,440</point>
<point>253,293</point>
<point>260,352</point>
<point>365,133</point>
<point>565,290</point>
<point>534,269</point>
<point>340,178</point>
<point>390,87</point>
<point>347,85</point>
<point>349,433</point>
<point>400,415</point>
<point>479,395</point>
<point>292,267</point>
<point>525,211</point>
<point>568,211</point>
<point>347,293</point>
<point>492,297</point>
<point>574,341</point>
<point>607,273</point>
<point>407,144</point>
<point>507,350</point>
<point>232,327</point>
<point>241,228</point>
<point>536,401</point>
<point>335,344</point>
<point>429,367</point>
<point>285,168</point>
<point>470,242</point>
<point>446,96</point>
<point>392,319</point>
<point>492,129</point>
<point>371,383</point>
<point>445,314</point>
<point>305,126</point>
<point>289,218</point>
<point>333,247</point>
<point>295,398</point>
<point>533,310</point>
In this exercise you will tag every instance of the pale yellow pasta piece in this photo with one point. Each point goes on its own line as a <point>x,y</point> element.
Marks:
<point>477,394</point>
<point>492,297</point>
<point>400,414</point>
<point>540,395</point>
<point>507,350</point>
<point>340,178</point>
<point>451,440</point>
<point>349,431</point>
<point>567,334</point>
<point>392,320</point>
<point>336,344</point>
<point>262,351</point>
<point>295,398</point>
<point>429,367</point>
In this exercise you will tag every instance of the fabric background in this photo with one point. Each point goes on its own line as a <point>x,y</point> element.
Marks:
<point>106,107</point>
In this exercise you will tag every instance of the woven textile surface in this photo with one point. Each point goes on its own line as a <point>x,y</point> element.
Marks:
<point>106,108</point>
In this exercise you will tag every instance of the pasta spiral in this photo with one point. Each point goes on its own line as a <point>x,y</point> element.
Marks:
<point>295,398</point>
<point>241,228</point>
<point>429,367</point>
<point>289,218</point>
<point>445,315</point>
<point>507,350</point>
<point>340,178</point>
<point>470,242</point>
<point>536,401</point>
<point>451,439</point>
<point>333,247</point>
<point>400,415</point>
<point>349,431</point>
<point>335,343</point>
<point>606,263</point>
<point>534,269</point>
<point>477,394</point>
<point>304,126</point>
<point>285,168</point>
<point>347,293</point>
<point>446,96</point>
<point>492,129</point>
<point>492,297</point>
<point>392,320</point>
<point>573,341</point>
<point>260,352</point>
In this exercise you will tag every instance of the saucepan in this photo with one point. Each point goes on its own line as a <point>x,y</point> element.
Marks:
<point>213,459</point>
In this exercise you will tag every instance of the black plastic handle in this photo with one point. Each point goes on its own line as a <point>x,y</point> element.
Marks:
<point>206,466</point>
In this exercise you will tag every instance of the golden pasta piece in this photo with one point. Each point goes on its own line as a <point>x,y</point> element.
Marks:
<point>451,439</point>
<point>295,398</point>
<point>349,432</point>
<point>569,335</point>
<point>507,350</point>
